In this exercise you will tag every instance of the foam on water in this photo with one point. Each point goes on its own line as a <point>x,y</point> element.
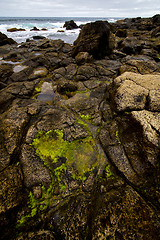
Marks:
<point>51,24</point>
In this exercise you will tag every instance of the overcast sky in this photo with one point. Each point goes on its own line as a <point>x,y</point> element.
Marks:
<point>79,8</point>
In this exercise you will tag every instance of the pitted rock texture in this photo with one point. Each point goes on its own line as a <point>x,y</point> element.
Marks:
<point>135,92</point>
<point>84,165</point>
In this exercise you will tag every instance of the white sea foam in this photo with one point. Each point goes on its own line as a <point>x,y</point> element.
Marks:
<point>53,25</point>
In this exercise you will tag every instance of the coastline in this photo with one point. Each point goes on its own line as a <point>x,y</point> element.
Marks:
<point>80,133</point>
<point>54,27</point>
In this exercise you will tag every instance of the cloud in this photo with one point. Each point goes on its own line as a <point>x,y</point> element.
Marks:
<point>94,8</point>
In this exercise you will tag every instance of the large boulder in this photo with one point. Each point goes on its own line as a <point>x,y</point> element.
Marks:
<point>96,39</point>
<point>69,25</point>
<point>5,40</point>
<point>156,19</point>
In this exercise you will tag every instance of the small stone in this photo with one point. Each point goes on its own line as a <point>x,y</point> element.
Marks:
<point>83,57</point>
<point>37,192</point>
<point>38,73</point>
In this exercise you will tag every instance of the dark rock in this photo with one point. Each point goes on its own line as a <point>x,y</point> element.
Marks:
<point>156,19</point>
<point>143,66</point>
<point>38,37</point>
<point>155,32</point>
<point>141,24</point>
<point>35,173</point>
<point>122,33</point>
<point>22,75</point>
<point>5,40</point>
<point>6,71</point>
<point>35,29</point>
<point>130,45</point>
<point>81,26</point>
<point>83,57</point>
<point>15,30</point>
<point>42,234</point>
<point>11,187</point>
<point>2,85</point>
<point>66,88</point>
<point>69,25</point>
<point>94,38</point>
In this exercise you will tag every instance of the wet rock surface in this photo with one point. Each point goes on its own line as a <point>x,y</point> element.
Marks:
<point>79,138</point>
<point>4,40</point>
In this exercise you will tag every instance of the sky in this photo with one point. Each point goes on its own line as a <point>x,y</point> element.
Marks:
<point>79,8</point>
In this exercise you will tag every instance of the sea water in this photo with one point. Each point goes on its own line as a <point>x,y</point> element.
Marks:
<point>54,26</point>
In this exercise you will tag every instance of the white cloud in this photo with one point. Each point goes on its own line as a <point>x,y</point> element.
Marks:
<point>94,8</point>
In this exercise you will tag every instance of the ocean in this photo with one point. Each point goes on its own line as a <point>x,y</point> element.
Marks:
<point>54,26</point>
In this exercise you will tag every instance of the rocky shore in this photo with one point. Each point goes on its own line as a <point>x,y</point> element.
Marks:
<point>80,134</point>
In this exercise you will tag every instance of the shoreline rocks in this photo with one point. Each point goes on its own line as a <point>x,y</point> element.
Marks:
<point>79,136</point>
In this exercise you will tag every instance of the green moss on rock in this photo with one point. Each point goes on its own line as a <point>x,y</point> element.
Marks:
<point>81,155</point>
<point>79,158</point>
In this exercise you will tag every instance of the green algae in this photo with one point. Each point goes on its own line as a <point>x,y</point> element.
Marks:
<point>79,154</point>
<point>50,145</point>
<point>118,137</point>
<point>79,158</point>
<point>33,205</point>
<point>85,126</point>
<point>108,171</point>
<point>37,205</point>
<point>85,117</point>
<point>38,89</point>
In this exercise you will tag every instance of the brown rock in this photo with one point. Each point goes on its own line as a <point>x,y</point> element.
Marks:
<point>5,40</point>
<point>94,38</point>
<point>10,188</point>
<point>83,57</point>
<point>122,33</point>
<point>133,90</point>
<point>15,29</point>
